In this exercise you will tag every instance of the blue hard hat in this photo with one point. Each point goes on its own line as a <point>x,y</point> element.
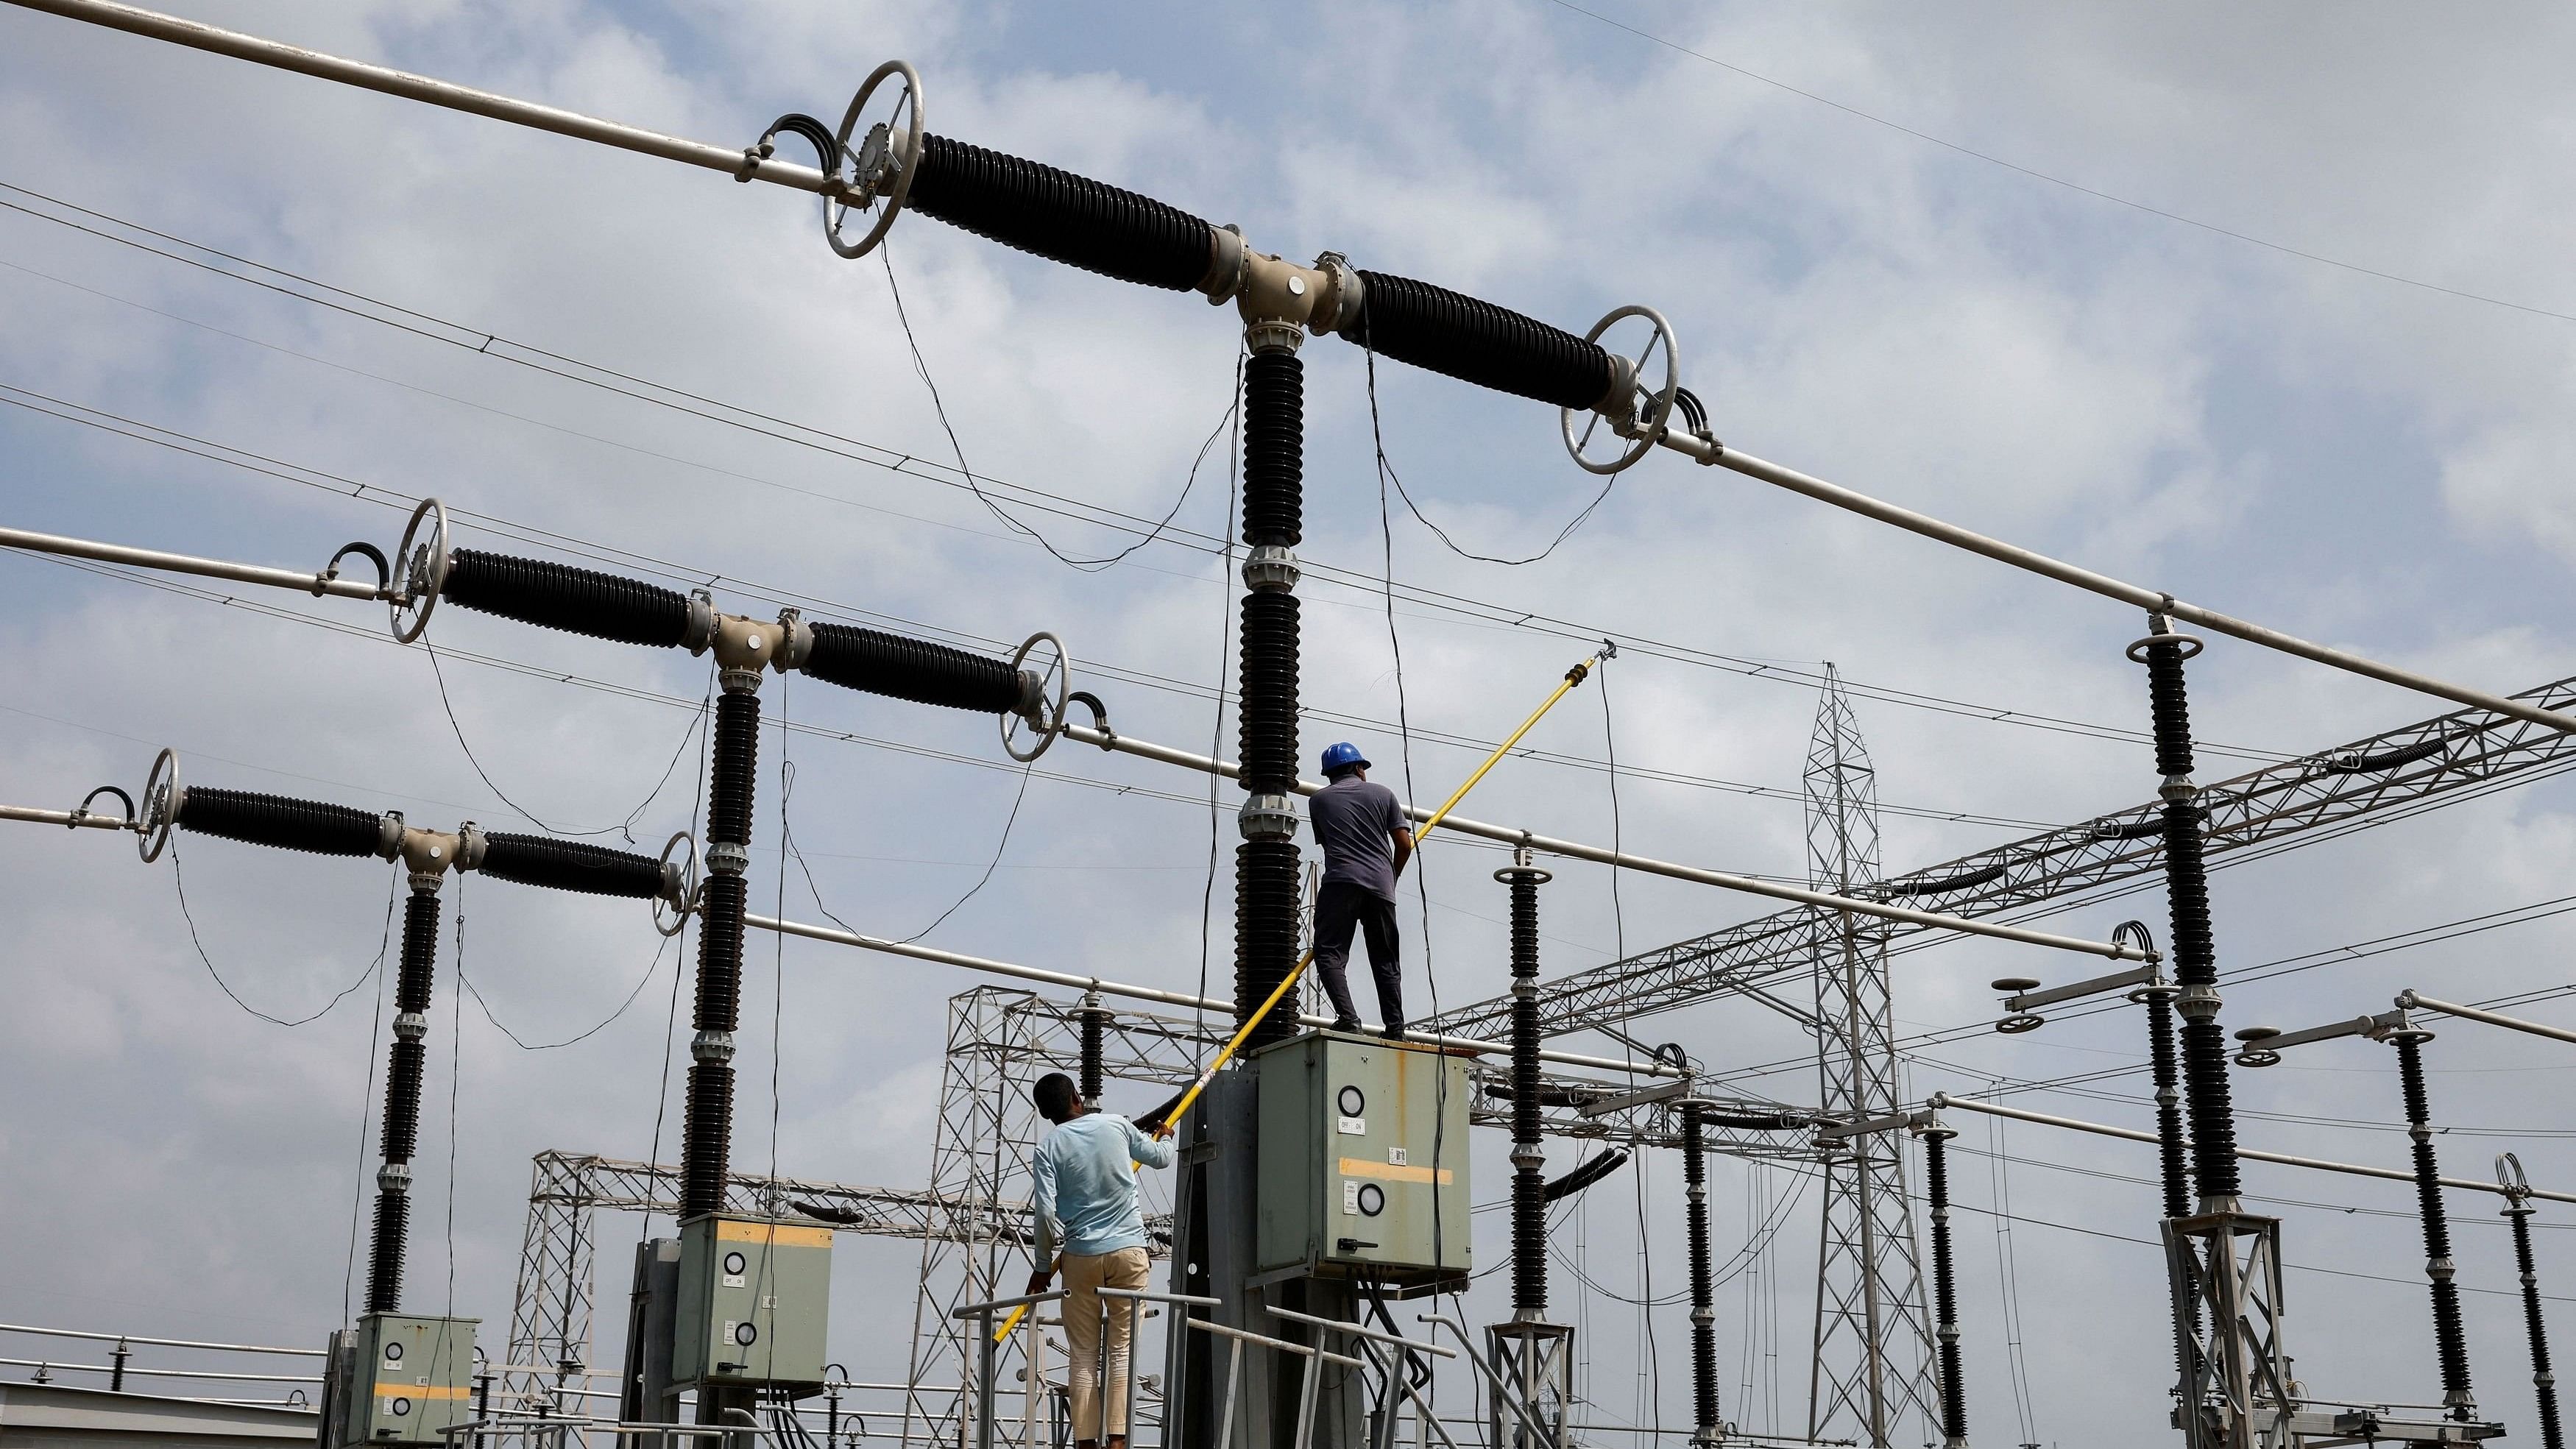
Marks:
<point>1342,757</point>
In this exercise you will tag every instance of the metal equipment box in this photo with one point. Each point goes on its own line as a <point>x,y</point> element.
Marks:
<point>409,1377</point>
<point>1363,1160</point>
<point>754,1302</point>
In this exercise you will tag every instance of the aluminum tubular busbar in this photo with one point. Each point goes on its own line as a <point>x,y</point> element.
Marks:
<point>1575,850</point>
<point>750,165</point>
<point>2416,1000</point>
<point>1942,1100</point>
<point>838,937</point>
<point>182,563</point>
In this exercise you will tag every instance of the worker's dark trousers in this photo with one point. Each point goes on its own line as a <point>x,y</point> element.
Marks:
<point>1339,908</point>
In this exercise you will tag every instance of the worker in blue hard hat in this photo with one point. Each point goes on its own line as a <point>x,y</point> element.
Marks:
<point>1366,838</point>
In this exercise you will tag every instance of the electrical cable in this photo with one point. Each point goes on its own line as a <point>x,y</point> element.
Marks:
<point>180,886</point>
<point>2010,1281</point>
<point>624,828</point>
<point>367,1101</point>
<point>455,1081</point>
<point>1216,729</point>
<point>671,1027</point>
<point>1386,467</point>
<point>651,970</point>
<point>490,344</point>
<point>340,486</point>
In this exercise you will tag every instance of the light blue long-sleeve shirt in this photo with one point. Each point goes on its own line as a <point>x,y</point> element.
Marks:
<point>1084,1190</point>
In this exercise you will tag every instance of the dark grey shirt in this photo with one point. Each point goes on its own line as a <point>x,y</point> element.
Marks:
<point>1355,822</point>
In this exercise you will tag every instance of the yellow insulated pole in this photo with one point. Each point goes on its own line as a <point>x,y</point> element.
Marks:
<point>1573,677</point>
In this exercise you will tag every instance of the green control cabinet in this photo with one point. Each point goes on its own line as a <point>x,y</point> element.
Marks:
<point>410,1377</point>
<point>754,1302</point>
<point>1363,1160</point>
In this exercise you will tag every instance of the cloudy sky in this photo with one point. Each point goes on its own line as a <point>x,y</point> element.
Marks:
<point>2244,411</point>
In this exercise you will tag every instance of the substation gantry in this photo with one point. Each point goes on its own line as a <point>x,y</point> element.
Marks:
<point>894,165</point>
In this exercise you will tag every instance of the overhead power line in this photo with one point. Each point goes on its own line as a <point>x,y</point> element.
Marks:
<point>1373,585</point>
<point>340,485</point>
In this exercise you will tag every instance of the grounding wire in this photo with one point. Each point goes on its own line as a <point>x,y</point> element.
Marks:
<point>367,1099</point>
<point>491,344</point>
<point>651,970</point>
<point>885,253</point>
<point>624,828</point>
<point>671,1026</point>
<point>180,887</point>
<point>1216,728</point>
<point>455,1080</point>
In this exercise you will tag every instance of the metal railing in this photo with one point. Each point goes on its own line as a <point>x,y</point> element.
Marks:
<point>120,1366</point>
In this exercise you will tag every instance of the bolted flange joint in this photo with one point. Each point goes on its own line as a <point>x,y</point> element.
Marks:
<point>2177,787</point>
<point>1529,1155</point>
<point>394,1177</point>
<point>2197,1003</point>
<point>1271,566</point>
<point>726,858</point>
<point>712,1046</point>
<point>411,1026</point>
<point>1267,817</point>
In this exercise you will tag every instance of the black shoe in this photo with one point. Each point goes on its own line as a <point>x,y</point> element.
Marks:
<point>1349,1025</point>
<point>1394,1031</point>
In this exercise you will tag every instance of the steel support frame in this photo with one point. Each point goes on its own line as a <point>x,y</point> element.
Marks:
<point>2235,1391</point>
<point>2419,766</point>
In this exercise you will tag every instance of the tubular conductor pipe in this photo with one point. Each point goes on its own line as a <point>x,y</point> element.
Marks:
<point>1160,996</point>
<point>1551,845</point>
<point>182,563</point>
<point>75,819</point>
<point>1945,1294</point>
<point>1707,1426</point>
<point>1942,1101</point>
<point>2418,1001</point>
<point>2449,1341</point>
<point>1709,451</point>
<point>727,159</point>
<point>2517,1211</point>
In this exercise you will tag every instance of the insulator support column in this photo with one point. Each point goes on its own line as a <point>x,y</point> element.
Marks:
<point>2450,1341</point>
<point>2172,1149</point>
<point>1265,864</point>
<point>1707,1428</point>
<point>1529,1156</point>
<point>1945,1288</point>
<point>1094,1022</point>
<point>400,1136</point>
<point>2517,1211</point>
<point>707,1134</point>
<point>2204,1042</point>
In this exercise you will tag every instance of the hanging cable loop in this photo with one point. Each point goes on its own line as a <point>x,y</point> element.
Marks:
<point>1633,411</point>
<point>420,569</point>
<point>368,551</point>
<point>876,159</point>
<point>80,812</point>
<point>152,821</point>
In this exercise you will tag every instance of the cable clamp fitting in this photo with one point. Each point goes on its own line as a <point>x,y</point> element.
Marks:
<point>411,1026</point>
<point>726,858</point>
<point>1271,566</point>
<point>1267,817</point>
<point>712,1046</point>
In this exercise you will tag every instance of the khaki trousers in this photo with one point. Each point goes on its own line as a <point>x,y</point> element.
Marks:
<point>1085,1274</point>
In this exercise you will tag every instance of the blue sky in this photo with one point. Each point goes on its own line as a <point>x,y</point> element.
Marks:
<point>2354,459</point>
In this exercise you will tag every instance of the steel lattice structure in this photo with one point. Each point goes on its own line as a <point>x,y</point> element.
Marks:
<point>552,1308</point>
<point>1873,1340</point>
<point>2421,766</point>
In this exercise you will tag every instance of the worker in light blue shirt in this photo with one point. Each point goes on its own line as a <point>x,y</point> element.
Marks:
<point>1083,1197</point>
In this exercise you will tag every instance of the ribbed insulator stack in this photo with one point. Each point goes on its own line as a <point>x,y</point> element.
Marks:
<point>707,1132</point>
<point>2450,1340</point>
<point>414,981</point>
<point>1529,1157</point>
<point>1945,1289</point>
<point>1707,1427</point>
<point>1266,863</point>
<point>2204,1042</point>
<point>2544,1384</point>
<point>1094,1075</point>
<point>2172,1153</point>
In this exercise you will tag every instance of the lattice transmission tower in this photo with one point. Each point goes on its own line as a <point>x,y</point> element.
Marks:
<point>1873,1346</point>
